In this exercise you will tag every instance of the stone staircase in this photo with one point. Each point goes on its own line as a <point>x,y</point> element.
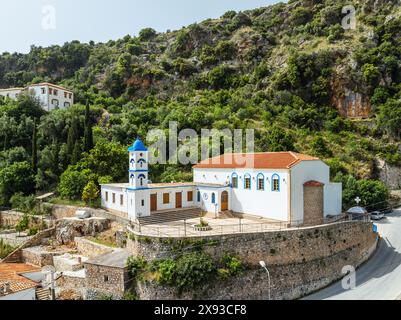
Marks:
<point>42,294</point>
<point>170,216</point>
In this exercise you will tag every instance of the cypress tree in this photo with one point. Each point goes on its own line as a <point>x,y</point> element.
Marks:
<point>73,136</point>
<point>76,154</point>
<point>88,138</point>
<point>34,148</point>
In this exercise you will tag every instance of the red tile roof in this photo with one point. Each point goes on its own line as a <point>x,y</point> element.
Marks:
<point>10,273</point>
<point>267,160</point>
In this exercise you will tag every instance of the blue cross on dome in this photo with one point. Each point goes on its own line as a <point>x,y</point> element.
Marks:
<point>137,146</point>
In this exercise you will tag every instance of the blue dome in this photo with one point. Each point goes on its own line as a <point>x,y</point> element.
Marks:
<point>137,146</point>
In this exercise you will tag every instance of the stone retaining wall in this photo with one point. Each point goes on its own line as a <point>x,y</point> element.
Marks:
<point>10,219</point>
<point>63,211</point>
<point>91,249</point>
<point>36,240</point>
<point>300,261</point>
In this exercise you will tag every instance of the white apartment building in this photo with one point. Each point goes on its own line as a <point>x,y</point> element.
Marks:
<point>51,96</point>
<point>11,93</point>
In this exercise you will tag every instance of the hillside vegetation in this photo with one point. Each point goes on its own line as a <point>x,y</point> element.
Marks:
<point>287,70</point>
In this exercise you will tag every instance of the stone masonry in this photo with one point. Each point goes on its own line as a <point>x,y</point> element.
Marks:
<point>301,261</point>
<point>313,202</point>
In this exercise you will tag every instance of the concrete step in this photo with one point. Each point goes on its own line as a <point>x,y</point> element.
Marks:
<point>160,218</point>
<point>43,294</point>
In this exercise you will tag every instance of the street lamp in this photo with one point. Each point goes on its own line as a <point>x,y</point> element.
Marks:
<point>263,265</point>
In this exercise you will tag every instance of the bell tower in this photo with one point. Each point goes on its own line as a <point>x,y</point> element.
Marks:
<point>138,191</point>
<point>138,166</point>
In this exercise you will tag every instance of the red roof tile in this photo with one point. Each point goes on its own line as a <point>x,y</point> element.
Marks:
<point>10,273</point>
<point>267,160</point>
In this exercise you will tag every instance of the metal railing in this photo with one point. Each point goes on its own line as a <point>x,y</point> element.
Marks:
<point>181,229</point>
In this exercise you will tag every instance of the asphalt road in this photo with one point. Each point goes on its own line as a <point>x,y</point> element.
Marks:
<point>380,277</point>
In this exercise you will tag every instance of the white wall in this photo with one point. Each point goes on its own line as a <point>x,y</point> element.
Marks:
<point>172,192</point>
<point>306,171</point>
<point>11,93</point>
<point>266,203</point>
<point>333,199</point>
<point>118,191</point>
<point>47,99</point>
<point>206,196</point>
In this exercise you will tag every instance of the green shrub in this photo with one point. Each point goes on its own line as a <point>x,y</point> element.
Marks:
<point>5,249</point>
<point>33,231</point>
<point>23,203</point>
<point>23,224</point>
<point>232,265</point>
<point>135,266</point>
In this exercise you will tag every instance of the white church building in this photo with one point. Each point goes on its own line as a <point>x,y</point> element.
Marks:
<point>282,186</point>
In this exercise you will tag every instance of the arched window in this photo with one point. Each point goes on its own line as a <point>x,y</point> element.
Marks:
<point>213,198</point>
<point>141,162</point>
<point>276,183</point>
<point>141,179</point>
<point>247,182</point>
<point>234,181</point>
<point>261,182</point>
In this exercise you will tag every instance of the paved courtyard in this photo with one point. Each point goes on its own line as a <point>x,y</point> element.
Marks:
<point>185,228</point>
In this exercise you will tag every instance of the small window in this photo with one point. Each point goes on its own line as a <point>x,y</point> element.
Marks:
<point>190,196</point>
<point>143,203</point>
<point>114,198</point>
<point>261,184</point>
<point>276,183</point>
<point>43,90</point>
<point>70,95</point>
<point>107,197</point>
<point>50,91</point>
<point>247,182</point>
<point>122,200</point>
<point>55,102</point>
<point>213,198</point>
<point>199,196</point>
<point>106,278</point>
<point>166,198</point>
<point>55,92</point>
<point>65,95</point>
<point>235,182</point>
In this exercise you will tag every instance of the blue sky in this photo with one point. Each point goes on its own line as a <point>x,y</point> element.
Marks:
<point>102,20</point>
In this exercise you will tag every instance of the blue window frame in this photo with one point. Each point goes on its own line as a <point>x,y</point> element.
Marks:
<point>260,180</point>
<point>276,183</point>
<point>234,181</point>
<point>247,182</point>
<point>213,198</point>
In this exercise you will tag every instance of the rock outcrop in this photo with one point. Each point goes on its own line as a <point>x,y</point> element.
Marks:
<point>68,229</point>
<point>390,175</point>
